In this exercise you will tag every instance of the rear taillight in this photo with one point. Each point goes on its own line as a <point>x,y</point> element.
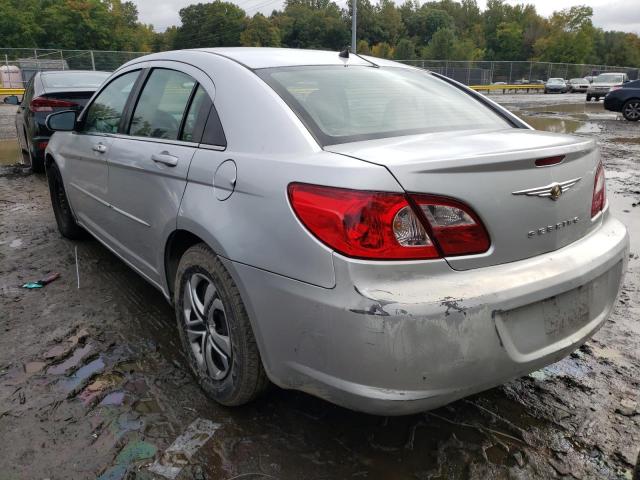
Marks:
<point>387,226</point>
<point>456,228</point>
<point>599,192</point>
<point>45,104</point>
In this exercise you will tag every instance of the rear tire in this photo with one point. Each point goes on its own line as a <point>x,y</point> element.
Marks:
<point>37,164</point>
<point>588,98</point>
<point>215,330</point>
<point>631,110</point>
<point>61,209</point>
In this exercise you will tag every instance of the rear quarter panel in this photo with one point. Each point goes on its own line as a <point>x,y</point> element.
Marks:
<point>271,148</point>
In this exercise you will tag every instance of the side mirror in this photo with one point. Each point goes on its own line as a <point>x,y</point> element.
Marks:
<point>626,81</point>
<point>61,121</point>
<point>12,100</point>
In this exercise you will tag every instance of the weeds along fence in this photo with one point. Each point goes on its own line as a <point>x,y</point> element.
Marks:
<point>485,73</point>
<point>18,65</point>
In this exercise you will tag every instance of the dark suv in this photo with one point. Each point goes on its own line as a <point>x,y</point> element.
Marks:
<point>45,93</point>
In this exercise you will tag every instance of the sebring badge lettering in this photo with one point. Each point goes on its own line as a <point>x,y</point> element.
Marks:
<point>552,228</point>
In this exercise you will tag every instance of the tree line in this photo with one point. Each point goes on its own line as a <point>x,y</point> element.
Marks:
<point>443,29</point>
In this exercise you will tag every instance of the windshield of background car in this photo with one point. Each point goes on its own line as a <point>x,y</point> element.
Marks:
<point>346,104</point>
<point>608,79</point>
<point>579,80</point>
<point>74,79</point>
<point>555,81</point>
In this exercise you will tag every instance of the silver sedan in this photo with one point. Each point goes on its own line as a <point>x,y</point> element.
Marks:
<point>364,231</point>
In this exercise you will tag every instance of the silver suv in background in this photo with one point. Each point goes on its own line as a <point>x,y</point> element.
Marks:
<point>364,231</point>
<point>603,83</point>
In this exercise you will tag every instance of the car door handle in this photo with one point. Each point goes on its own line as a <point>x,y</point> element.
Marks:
<point>100,148</point>
<point>165,158</point>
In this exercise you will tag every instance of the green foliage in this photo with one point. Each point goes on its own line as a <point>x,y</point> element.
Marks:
<point>382,50</point>
<point>363,47</point>
<point>215,24</point>
<point>405,50</point>
<point>442,44</point>
<point>260,32</point>
<point>571,37</point>
<point>312,24</point>
<point>73,24</point>
<point>436,29</point>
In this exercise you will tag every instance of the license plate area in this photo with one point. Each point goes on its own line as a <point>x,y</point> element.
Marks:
<point>567,312</point>
<point>541,327</point>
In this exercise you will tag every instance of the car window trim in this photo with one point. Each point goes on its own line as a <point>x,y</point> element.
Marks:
<point>166,141</point>
<point>150,70</point>
<point>188,108</point>
<point>133,98</point>
<point>82,117</point>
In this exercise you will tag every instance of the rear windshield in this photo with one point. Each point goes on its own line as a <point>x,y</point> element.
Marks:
<point>74,79</point>
<point>609,78</point>
<point>346,104</point>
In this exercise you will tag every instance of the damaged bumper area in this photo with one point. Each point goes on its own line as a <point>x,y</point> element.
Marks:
<point>396,338</point>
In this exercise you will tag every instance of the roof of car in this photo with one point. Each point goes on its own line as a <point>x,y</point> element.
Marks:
<point>263,57</point>
<point>67,72</point>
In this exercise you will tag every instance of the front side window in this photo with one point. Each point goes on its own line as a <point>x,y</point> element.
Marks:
<point>162,104</point>
<point>105,113</point>
<point>344,104</point>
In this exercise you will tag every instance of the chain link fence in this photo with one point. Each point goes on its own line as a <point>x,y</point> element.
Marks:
<point>18,65</point>
<point>486,73</point>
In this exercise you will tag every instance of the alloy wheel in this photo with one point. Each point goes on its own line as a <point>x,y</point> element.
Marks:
<point>632,110</point>
<point>206,326</point>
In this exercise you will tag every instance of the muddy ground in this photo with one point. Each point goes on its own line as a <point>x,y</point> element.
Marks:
<point>93,384</point>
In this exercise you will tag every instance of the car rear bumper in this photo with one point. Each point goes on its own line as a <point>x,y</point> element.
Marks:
<point>405,337</point>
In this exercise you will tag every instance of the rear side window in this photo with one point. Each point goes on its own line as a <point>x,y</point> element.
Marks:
<point>74,79</point>
<point>105,113</point>
<point>345,104</point>
<point>28,92</point>
<point>162,104</point>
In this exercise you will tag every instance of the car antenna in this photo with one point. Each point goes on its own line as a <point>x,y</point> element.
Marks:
<point>345,55</point>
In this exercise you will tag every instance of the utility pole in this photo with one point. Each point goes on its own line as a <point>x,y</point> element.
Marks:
<point>354,16</point>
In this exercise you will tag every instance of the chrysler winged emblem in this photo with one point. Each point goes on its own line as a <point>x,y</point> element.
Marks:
<point>553,191</point>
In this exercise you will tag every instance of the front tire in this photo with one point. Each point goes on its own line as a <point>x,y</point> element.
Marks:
<point>631,110</point>
<point>588,98</point>
<point>61,209</point>
<point>215,330</point>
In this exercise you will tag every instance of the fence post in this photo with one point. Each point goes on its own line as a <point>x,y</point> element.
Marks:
<point>530,69</point>
<point>62,59</point>
<point>93,61</point>
<point>6,61</point>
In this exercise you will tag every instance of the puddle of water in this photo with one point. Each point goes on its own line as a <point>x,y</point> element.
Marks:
<point>70,362</point>
<point>633,141</point>
<point>584,108</point>
<point>10,152</point>
<point>550,124</point>
<point>82,374</point>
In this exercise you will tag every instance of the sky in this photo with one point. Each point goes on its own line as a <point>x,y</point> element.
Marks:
<point>621,15</point>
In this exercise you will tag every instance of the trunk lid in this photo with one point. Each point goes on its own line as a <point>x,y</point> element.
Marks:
<point>483,169</point>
